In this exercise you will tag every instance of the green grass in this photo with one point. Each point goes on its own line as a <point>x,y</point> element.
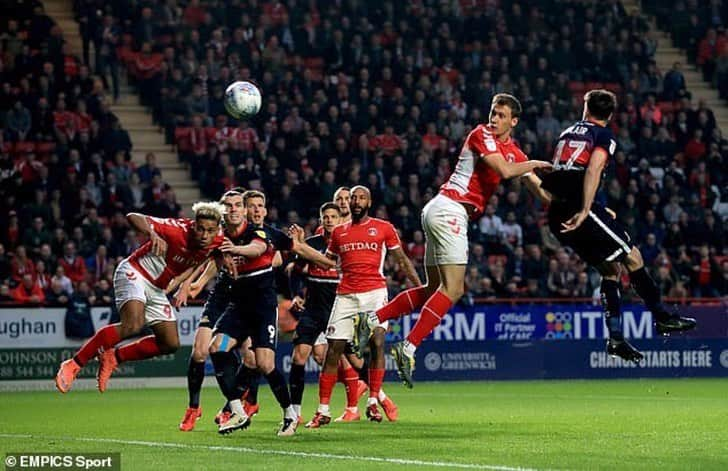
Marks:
<point>643,424</point>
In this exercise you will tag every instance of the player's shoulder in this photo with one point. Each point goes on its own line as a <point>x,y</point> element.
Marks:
<point>316,238</point>
<point>343,227</point>
<point>382,223</point>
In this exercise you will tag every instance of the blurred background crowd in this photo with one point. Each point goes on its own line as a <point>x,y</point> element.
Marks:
<point>379,93</point>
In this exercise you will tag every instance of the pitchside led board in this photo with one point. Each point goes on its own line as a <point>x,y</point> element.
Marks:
<point>478,342</point>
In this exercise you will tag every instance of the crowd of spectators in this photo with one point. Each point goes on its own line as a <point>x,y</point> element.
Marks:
<point>379,93</point>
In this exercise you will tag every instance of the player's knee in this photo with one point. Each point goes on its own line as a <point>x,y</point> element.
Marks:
<point>634,260</point>
<point>130,327</point>
<point>377,340</point>
<point>266,366</point>
<point>169,346</point>
<point>299,357</point>
<point>214,346</point>
<point>199,354</point>
<point>319,357</point>
<point>454,292</point>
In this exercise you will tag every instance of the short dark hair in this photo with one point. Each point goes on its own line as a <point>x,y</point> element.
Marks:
<point>600,103</point>
<point>506,99</point>
<point>342,188</point>
<point>238,190</point>
<point>329,205</point>
<point>253,194</point>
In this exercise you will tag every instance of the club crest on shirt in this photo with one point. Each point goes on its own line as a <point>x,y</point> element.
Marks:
<point>372,231</point>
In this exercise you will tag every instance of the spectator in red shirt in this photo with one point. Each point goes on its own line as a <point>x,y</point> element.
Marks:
<point>21,265</point>
<point>710,48</point>
<point>695,148</point>
<point>431,140</point>
<point>650,111</point>
<point>28,291</point>
<point>72,263</point>
<point>389,143</point>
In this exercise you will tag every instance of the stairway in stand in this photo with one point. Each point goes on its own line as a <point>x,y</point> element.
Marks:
<point>667,54</point>
<point>145,135</point>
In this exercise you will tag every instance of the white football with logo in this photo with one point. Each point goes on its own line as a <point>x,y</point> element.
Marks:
<point>242,100</point>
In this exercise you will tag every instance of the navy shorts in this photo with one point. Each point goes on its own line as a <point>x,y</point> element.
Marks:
<point>311,323</point>
<point>253,312</point>
<point>215,305</point>
<point>599,239</point>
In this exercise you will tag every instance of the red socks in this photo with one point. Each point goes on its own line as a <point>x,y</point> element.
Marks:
<point>432,313</point>
<point>376,377</point>
<point>106,337</point>
<point>326,387</point>
<point>145,347</point>
<point>404,303</point>
<point>351,382</point>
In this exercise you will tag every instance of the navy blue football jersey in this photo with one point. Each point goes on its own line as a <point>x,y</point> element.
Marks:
<point>572,154</point>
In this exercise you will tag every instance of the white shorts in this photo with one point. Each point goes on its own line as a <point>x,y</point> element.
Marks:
<point>129,285</point>
<point>346,306</point>
<point>321,340</point>
<point>446,232</point>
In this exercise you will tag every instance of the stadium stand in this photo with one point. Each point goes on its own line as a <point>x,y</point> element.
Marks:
<point>353,93</point>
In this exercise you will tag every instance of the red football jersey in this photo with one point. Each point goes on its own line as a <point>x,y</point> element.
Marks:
<point>361,249</point>
<point>159,271</point>
<point>473,181</point>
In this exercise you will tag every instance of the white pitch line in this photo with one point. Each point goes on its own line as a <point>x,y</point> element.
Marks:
<point>301,454</point>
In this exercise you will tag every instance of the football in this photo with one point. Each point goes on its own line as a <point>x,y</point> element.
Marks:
<point>242,100</point>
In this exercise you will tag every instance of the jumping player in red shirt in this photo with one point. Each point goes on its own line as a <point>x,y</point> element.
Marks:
<point>360,246</point>
<point>175,247</point>
<point>489,154</point>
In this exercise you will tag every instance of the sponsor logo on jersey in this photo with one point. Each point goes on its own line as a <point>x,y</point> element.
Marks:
<point>373,246</point>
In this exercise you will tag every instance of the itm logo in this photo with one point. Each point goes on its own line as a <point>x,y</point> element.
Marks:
<point>559,325</point>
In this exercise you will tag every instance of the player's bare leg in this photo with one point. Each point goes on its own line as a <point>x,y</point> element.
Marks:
<point>195,377</point>
<point>132,321</point>
<point>319,353</point>
<point>665,322</point>
<point>327,380</point>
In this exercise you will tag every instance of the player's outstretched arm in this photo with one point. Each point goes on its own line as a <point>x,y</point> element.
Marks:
<point>300,247</point>
<point>196,283</point>
<point>140,223</point>
<point>591,183</point>
<point>533,183</point>
<point>508,169</point>
<point>254,249</point>
<point>406,263</point>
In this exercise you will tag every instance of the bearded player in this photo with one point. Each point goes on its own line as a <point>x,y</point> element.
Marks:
<point>360,246</point>
<point>489,155</point>
<point>175,247</point>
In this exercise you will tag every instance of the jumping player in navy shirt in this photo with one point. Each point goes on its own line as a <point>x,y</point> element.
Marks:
<point>576,220</point>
